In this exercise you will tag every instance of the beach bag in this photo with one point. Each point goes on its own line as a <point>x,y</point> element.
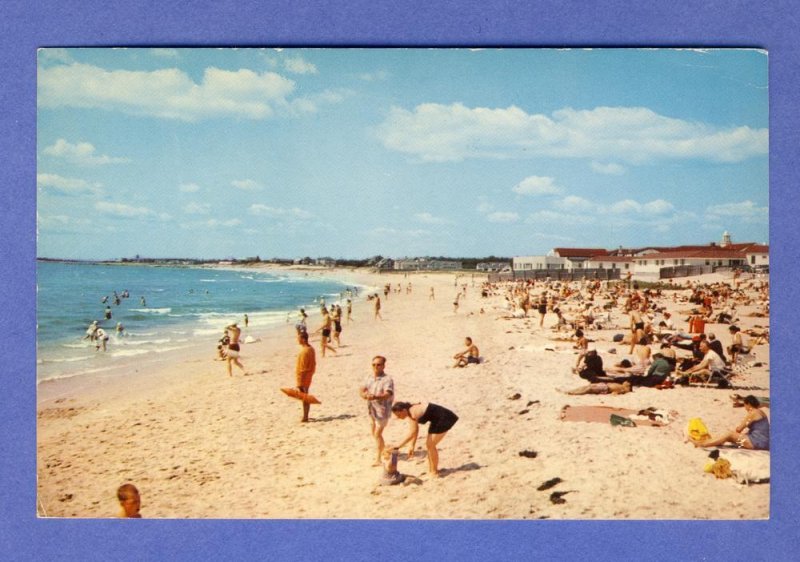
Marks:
<point>697,430</point>
<point>618,337</point>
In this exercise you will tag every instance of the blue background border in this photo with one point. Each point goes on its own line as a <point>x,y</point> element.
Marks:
<point>770,25</point>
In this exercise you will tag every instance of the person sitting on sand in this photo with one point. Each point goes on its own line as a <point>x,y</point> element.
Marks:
<point>602,388</point>
<point>716,345</point>
<point>469,355</point>
<point>710,365</point>
<point>756,423</point>
<point>582,345</point>
<point>441,420</point>
<point>129,501</point>
<point>593,367</point>
<point>737,345</point>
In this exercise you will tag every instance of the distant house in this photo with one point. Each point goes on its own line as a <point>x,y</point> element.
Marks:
<point>408,264</point>
<point>385,263</point>
<point>302,261</point>
<point>420,264</point>
<point>326,262</point>
<point>492,266</point>
<point>440,265</point>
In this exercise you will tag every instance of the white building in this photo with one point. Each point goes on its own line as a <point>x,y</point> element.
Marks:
<point>648,261</point>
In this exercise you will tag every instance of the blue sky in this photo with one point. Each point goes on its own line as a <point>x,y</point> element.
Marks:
<point>356,152</point>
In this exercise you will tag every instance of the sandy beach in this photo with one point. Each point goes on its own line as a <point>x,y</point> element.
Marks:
<point>199,444</point>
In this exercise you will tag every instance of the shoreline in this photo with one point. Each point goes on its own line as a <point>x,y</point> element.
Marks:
<point>199,444</point>
<point>192,344</point>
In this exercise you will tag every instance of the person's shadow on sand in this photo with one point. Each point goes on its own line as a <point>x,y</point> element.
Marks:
<point>332,418</point>
<point>463,468</point>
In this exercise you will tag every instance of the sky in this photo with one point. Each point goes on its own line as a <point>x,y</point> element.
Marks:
<point>352,153</point>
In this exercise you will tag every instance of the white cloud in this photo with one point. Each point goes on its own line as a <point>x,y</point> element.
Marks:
<point>165,53</point>
<point>189,187</point>
<point>122,210</point>
<point>610,169</point>
<point>746,211</point>
<point>537,185</point>
<point>261,210</point>
<point>211,223</point>
<point>393,232</point>
<point>624,207</point>
<point>377,76</point>
<point>169,93</point>
<point>82,154</point>
<point>246,185</point>
<point>629,206</point>
<point>550,236</point>
<point>64,224</point>
<point>297,65</point>
<point>312,102</point>
<point>500,216</point>
<point>439,133</point>
<point>658,207</point>
<point>195,208</point>
<point>428,218</point>
<point>574,203</point>
<point>559,219</point>
<point>67,186</point>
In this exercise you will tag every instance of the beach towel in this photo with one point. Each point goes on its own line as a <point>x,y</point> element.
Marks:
<point>602,414</point>
<point>748,466</point>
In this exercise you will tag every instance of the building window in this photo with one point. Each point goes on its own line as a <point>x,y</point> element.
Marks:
<point>626,266</point>
<point>683,262</point>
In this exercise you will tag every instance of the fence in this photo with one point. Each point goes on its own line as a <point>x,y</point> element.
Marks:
<point>555,274</point>
<point>683,271</point>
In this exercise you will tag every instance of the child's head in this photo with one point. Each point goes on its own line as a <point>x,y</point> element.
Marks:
<point>128,497</point>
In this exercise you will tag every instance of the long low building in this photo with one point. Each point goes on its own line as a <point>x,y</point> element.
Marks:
<point>650,261</point>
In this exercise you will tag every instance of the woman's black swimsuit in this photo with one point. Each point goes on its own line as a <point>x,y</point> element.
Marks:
<point>440,417</point>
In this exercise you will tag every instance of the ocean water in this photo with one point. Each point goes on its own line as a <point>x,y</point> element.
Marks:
<point>183,306</point>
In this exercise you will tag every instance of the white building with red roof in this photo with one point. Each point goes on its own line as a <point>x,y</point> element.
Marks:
<point>648,261</point>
